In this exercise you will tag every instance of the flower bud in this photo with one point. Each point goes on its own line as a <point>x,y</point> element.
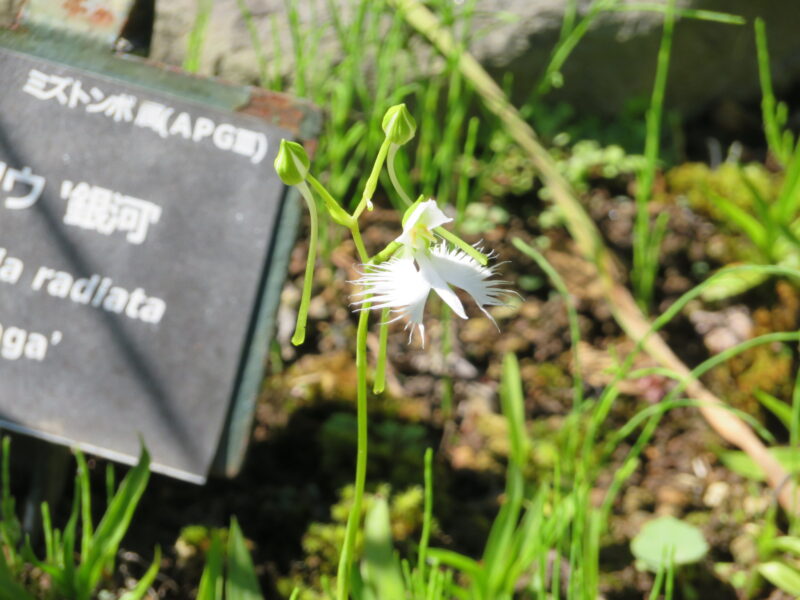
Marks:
<point>398,125</point>
<point>292,163</point>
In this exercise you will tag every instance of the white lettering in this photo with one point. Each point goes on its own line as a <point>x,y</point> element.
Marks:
<point>224,136</point>
<point>182,126</point>
<point>203,128</point>
<point>16,343</point>
<point>100,292</point>
<point>42,275</point>
<point>10,268</point>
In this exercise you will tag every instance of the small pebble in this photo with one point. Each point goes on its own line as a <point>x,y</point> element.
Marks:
<point>716,493</point>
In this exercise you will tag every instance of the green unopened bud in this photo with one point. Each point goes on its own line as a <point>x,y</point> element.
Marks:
<point>398,125</point>
<point>292,163</point>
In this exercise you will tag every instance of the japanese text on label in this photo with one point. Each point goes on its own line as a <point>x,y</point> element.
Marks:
<point>159,118</point>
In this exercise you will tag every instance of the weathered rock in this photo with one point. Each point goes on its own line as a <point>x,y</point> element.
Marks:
<point>615,61</point>
<point>613,64</point>
<point>8,10</point>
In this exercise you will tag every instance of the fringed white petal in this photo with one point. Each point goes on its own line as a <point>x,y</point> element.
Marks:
<point>429,269</point>
<point>398,286</point>
<point>459,269</point>
<point>403,284</point>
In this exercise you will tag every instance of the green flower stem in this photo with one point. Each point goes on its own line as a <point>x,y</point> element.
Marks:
<point>386,253</point>
<point>372,182</point>
<point>457,241</point>
<point>427,515</point>
<point>393,148</point>
<point>308,281</point>
<point>380,368</point>
<point>339,214</point>
<point>342,217</point>
<point>353,520</point>
<point>362,251</point>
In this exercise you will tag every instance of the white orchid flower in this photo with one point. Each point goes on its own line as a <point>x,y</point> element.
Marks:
<point>404,282</point>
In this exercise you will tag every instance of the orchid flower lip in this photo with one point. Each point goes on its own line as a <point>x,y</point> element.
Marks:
<point>404,282</point>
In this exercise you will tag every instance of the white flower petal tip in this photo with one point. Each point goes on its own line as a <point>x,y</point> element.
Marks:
<point>411,327</point>
<point>403,285</point>
<point>419,225</point>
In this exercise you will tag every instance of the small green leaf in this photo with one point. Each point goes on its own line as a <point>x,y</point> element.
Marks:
<point>211,581</point>
<point>786,543</point>
<point>777,407</point>
<point>728,285</point>
<point>380,570</point>
<point>782,576</point>
<point>241,581</point>
<point>666,541</point>
<point>741,463</point>
<point>751,226</point>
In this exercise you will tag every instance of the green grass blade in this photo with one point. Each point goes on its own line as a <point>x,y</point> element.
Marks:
<point>513,404</point>
<point>241,581</point>
<point>380,569</point>
<point>788,201</point>
<point>652,250</point>
<point>465,564</point>
<point>528,539</point>
<point>772,128</point>
<point>683,13</point>
<point>115,523</point>
<point>197,36</point>
<point>47,532</point>
<point>301,61</point>
<point>277,55</point>
<point>9,588</point>
<point>462,194</point>
<point>211,581</point>
<point>751,226</point>
<point>10,529</point>
<point>255,41</point>
<point>777,407</point>
<point>794,423</point>
<point>7,506</point>
<point>572,313</point>
<point>643,276</point>
<point>497,554</point>
<point>71,583</point>
<point>86,504</point>
<point>564,48</point>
